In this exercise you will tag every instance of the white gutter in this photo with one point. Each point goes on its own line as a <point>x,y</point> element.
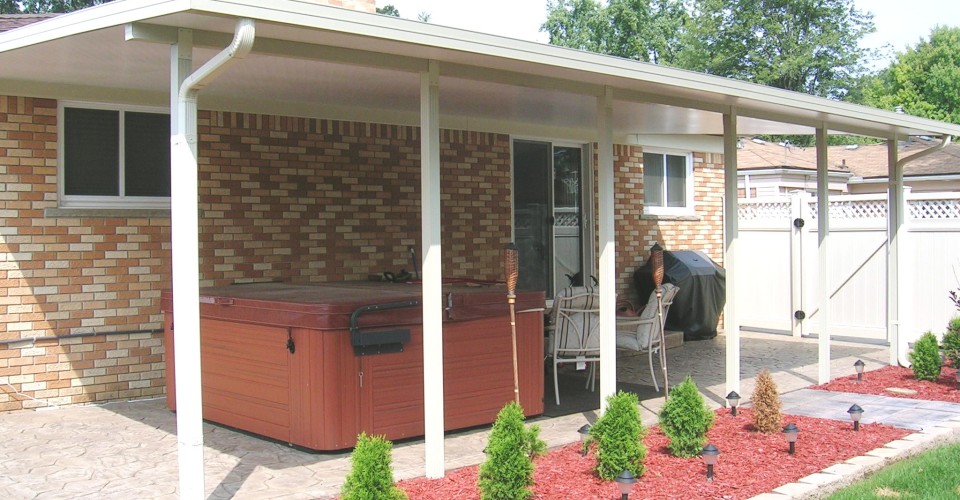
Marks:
<point>185,246</point>
<point>912,178</point>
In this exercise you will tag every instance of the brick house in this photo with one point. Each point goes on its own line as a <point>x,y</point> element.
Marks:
<point>320,132</point>
<point>293,199</point>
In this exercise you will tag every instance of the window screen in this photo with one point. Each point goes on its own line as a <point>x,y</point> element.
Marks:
<point>91,152</point>
<point>147,154</point>
<point>653,179</point>
<point>665,180</point>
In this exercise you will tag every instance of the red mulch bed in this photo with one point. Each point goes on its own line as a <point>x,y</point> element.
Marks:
<point>750,463</point>
<point>877,381</point>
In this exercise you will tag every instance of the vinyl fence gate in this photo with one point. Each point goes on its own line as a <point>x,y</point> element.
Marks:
<point>777,258</point>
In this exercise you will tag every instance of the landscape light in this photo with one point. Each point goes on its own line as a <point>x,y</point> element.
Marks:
<point>625,482</point>
<point>709,454</point>
<point>859,367</point>
<point>584,435</point>
<point>790,432</point>
<point>855,413</point>
<point>733,399</point>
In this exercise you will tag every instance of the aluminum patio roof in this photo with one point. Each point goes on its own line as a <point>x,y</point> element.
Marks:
<point>321,61</point>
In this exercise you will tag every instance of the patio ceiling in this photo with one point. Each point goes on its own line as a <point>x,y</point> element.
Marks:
<point>319,61</point>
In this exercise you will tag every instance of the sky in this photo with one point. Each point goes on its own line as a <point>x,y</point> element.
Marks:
<point>900,23</point>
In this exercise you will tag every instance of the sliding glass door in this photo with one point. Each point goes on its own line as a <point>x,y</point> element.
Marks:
<point>549,215</point>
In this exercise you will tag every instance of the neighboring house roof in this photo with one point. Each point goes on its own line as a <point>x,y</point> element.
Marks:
<point>865,160</point>
<point>13,21</point>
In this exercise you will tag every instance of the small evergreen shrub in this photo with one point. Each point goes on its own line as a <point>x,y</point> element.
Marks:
<point>925,357</point>
<point>619,436</point>
<point>767,416</point>
<point>951,342</point>
<point>685,419</point>
<point>507,473</point>
<point>371,477</point>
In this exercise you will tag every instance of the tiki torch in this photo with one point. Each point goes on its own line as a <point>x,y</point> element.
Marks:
<point>511,272</point>
<point>656,261</point>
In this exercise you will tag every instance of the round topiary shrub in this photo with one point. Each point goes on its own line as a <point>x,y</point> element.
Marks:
<point>767,416</point>
<point>507,473</point>
<point>371,477</point>
<point>925,357</point>
<point>685,419</point>
<point>619,436</point>
<point>951,342</point>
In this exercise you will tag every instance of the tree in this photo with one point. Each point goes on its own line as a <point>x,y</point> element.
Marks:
<point>388,10</point>
<point>645,30</point>
<point>45,6</point>
<point>809,46</point>
<point>924,80</point>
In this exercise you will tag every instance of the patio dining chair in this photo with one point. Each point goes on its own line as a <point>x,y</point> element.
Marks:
<point>574,331</point>
<point>642,333</point>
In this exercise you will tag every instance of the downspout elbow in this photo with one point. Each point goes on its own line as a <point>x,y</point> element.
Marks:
<point>939,147</point>
<point>243,38</point>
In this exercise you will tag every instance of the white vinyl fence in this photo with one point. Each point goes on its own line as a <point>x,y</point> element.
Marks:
<point>778,262</point>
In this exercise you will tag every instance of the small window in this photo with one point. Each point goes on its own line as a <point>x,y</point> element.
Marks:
<point>114,157</point>
<point>668,183</point>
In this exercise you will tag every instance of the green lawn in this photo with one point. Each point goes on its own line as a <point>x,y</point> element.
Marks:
<point>931,475</point>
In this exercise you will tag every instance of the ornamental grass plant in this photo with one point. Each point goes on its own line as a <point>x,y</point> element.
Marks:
<point>767,414</point>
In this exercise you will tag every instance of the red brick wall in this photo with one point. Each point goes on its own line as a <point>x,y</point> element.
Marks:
<point>70,275</point>
<point>293,199</point>
<point>636,234</point>
<point>306,200</point>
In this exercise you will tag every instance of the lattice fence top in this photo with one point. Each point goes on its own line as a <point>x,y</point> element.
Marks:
<point>853,209</point>
<point>934,209</point>
<point>857,207</point>
<point>765,210</point>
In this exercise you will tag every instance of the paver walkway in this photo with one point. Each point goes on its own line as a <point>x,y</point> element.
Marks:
<point>129,449</point>
<point>915,414</point>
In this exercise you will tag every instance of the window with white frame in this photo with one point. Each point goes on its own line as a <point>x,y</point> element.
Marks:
<point>668,183</point>
<point>114,156</point>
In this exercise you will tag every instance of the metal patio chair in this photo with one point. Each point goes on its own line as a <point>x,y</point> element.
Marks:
<point>642,333</point>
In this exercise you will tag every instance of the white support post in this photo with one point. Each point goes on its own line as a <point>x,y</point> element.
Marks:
<point>185,226</point>
<point>823,231</point>
<point>895,231</point>
<point>608,254</point>
<point>731,323</point>
<point>432,289</point>
<point>185,230</point>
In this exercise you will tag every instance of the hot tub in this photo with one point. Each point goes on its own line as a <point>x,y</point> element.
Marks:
<point>280,360</point>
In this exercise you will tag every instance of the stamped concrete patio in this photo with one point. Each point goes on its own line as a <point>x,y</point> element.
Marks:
<point>129,449</point>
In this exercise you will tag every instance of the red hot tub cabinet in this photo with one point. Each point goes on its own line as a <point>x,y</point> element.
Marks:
<point>277,359</point>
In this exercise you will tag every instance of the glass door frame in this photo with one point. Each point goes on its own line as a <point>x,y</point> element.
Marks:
<point>587,203</point>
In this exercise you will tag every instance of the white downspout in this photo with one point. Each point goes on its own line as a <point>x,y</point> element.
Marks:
<point>898,315</point>
<point>944,143</point>
<point>185,229</point>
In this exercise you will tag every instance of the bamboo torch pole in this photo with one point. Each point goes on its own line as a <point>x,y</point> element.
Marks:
<point>511,273</point>
<point>656,260</point>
